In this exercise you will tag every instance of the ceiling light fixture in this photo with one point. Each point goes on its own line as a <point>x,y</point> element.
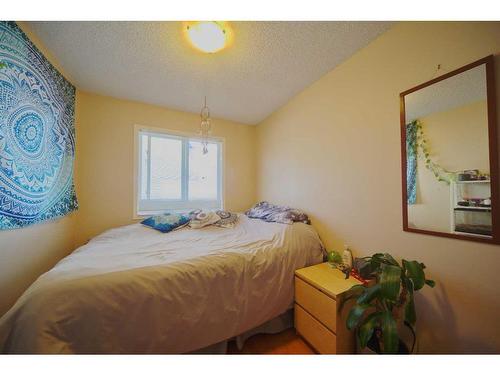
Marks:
<point>208,36</point>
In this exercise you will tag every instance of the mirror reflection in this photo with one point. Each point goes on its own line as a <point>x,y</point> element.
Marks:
<point>447,156</point>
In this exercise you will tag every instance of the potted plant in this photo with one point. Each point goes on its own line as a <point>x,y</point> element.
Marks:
<point>381,310</point>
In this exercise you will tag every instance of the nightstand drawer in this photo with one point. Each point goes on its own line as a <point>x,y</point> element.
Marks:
<point>315,333</point>
<point>317,303</point>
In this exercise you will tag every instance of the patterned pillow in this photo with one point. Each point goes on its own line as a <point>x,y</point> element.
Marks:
<point>279,214</point>
<point>202,219</point>
<point>167,222</point>
<point>259,211</point>
<point>227,219</point>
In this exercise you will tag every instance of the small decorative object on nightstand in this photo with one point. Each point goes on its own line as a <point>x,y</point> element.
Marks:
<point>319,291</point>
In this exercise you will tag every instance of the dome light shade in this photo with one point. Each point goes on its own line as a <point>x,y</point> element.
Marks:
<point>207,36</point>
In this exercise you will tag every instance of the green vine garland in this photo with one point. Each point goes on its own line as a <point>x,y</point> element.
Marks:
<point>441,174</point>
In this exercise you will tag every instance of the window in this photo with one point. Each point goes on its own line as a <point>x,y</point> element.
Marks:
<point>174,174</point>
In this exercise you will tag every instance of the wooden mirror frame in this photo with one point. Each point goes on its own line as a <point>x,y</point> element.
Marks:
<point>493,153</point>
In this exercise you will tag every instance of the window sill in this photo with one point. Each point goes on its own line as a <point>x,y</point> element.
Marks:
<point>141,215</point>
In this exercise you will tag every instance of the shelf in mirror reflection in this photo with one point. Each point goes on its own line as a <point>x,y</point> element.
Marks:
<point>474,182</point>
<point>465,208</point>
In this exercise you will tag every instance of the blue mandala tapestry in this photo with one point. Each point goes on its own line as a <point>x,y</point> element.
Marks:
<point>411,162</point>
<point>37,134</point>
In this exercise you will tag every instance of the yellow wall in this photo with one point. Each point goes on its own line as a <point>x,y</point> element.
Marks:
<point>334,151</point>
<point>105,158</point>
<point>458,140</point>
<point>28,252</point>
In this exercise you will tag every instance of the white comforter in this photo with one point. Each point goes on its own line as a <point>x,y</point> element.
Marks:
<point>135,290</point>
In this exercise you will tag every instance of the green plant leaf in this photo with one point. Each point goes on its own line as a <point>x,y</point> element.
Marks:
<point>410,313</point>
<point>379,259</point>
<point>354,292</point>
<point>376,261</point>
<point>390,282</point>
<point>366,329</point>
<point>369,294</point>
<point>390,260</point>
<point>389,332</point>
<point>431,283</point>
<point>356,314</point>
<point>415,272</point>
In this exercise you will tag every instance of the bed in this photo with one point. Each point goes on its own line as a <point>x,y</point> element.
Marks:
<point>135,290</point>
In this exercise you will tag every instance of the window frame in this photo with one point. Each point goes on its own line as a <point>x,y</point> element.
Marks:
<point>150,207</point>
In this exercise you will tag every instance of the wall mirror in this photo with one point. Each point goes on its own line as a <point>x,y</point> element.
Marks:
<point>450,155</point>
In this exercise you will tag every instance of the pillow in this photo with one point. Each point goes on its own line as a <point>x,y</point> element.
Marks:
<point>227,219</point>
<point>279,214</point>
<point>167,222</point>
<point>289,216</point>
<point>202,219</point>
<point>259,211</point>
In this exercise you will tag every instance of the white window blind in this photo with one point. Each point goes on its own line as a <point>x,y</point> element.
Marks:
<point>174,174</point>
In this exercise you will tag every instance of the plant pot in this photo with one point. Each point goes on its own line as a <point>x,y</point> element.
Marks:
<point>373,346</point>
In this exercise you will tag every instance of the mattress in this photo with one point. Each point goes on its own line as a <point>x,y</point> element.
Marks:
<point>135,290</point>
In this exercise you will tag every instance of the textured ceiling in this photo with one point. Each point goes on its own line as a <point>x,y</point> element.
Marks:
<point>151,62</point>
<point>459,90</point>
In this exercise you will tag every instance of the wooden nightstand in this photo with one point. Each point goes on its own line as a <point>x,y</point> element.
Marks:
<point>319,291</point>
